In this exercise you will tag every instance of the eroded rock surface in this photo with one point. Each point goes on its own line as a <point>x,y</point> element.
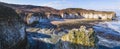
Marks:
<point>12,30</point>
<point>78,39</point>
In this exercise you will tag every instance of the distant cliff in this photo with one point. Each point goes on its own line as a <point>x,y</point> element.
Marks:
<point>29,11</point>
<point>90,14</point>
<point>73,13</point>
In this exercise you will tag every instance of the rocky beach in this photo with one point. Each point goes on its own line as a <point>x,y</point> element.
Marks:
<point>41,27</point>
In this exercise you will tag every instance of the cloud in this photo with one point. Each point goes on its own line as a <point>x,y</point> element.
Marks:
<point>4,0</point>
<point>119,8</point>
<point>60,4</point>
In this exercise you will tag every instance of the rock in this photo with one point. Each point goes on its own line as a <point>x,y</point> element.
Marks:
<point>78,39</point>
<point>12,30</point>
<point>69,13</point>
<point>76,13</point>
<point>31,18</point>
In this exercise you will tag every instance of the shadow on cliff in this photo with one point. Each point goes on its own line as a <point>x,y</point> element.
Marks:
<point>44,25</point>
<point>38,35</point>
<point>36,43</point>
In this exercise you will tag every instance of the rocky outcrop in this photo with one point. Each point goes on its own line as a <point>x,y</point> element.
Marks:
<point>31,18</point>
<point>12,30</point>
<point>78,39</point>
<point>74,13</point>
<point>89,14</point>
<point>78,13</point>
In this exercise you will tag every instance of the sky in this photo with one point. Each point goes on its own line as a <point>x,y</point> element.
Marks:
<point>61,4</point>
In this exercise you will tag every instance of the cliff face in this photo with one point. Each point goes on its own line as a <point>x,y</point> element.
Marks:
<point>53,14</point>
<point>89,14</point>
<point>12,30</point>
<point>75,13</point>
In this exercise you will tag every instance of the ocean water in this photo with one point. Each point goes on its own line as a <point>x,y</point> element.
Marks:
<point>112,28</point>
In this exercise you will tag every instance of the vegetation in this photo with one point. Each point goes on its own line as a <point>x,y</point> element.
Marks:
<point>81,36</point>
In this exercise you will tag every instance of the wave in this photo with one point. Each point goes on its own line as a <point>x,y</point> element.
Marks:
<point>108,43</point>
<point>113,28</point>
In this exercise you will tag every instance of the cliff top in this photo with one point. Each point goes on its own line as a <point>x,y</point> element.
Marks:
<point>44,9</point>
<point>7,13</point>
